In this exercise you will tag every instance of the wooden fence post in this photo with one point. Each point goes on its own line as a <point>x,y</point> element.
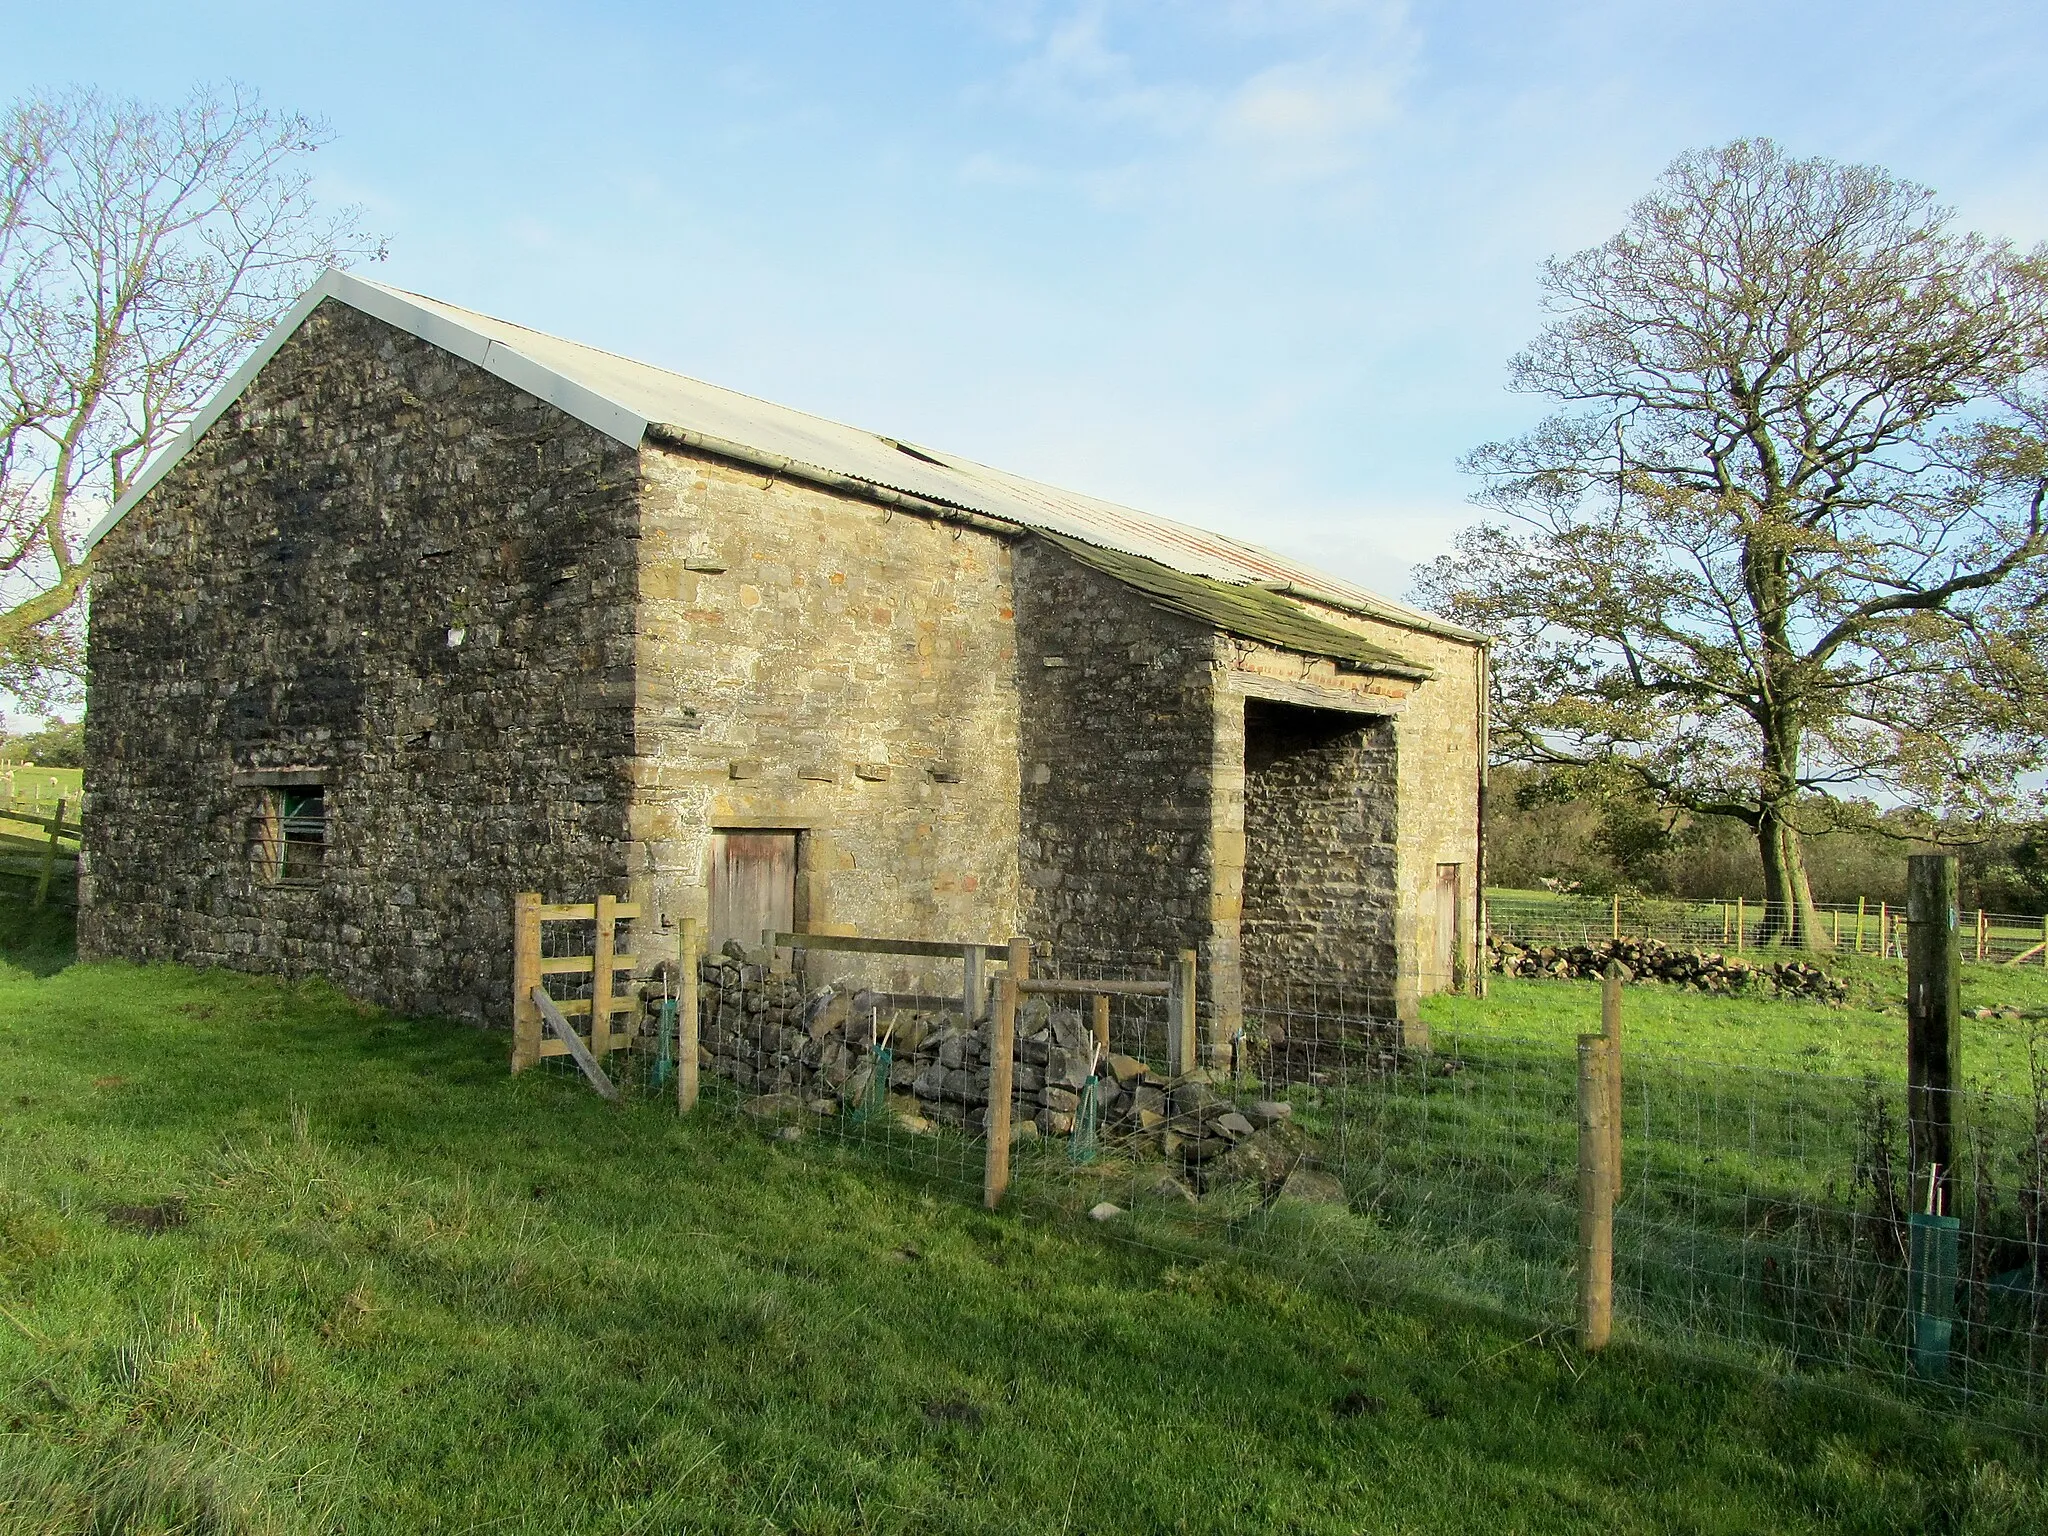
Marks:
<point>1934,1072</point>
<point>1100,1004</point>
<point>973,989</point>
<point>1738,925</point>
<point>601,976</point>
<point>1596,1194</point>
<point>525,977</point>
<point>1859,924</point>
<point>1983,932</point>
<point>1617,915</point>
<point>50,856</point>
<point>1002,1077</point>
<point>1180,1016</point>
<point>686,1018</point>
<point>1610,1030</point>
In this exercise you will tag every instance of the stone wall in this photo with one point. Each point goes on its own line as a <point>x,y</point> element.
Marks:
<point>1118,730</point>
<point>393,568</point>
<point>1321,864</point>
<point>812,662</point>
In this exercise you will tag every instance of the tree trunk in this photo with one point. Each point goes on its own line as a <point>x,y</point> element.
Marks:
<point>1790,916</point>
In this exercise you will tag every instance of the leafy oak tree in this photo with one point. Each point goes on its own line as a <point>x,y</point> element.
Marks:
<point>143,252</point>
<point>1783,537</point>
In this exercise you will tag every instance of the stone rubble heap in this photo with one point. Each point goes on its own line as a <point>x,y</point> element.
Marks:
<point>813,1052</point>
<point>1651,960</point>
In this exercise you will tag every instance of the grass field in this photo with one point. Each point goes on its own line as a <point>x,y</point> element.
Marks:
<point>271,1262</point>
<point>1867,1036</point>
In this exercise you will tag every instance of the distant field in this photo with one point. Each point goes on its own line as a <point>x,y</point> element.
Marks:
<point>1866,1036</point>
<point>1551,917</point>
<point>23,844</point>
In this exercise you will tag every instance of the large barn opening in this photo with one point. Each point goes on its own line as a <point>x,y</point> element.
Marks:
<point>1319,876</point>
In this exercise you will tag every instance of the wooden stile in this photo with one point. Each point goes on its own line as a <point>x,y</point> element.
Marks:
<point>530,1041</point>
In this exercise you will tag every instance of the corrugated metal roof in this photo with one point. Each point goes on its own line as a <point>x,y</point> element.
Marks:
<point>623,398</point>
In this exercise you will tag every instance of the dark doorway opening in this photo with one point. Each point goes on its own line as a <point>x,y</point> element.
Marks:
<point>1320,862</point>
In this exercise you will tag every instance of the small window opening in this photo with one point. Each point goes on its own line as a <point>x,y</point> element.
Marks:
<point>290,842</point>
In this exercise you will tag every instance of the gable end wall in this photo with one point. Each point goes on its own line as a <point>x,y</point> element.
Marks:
<point>284,599</point>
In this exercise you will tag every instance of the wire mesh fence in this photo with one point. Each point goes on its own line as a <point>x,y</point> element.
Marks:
<point>1738,925</point>
<point>1765,1215</point>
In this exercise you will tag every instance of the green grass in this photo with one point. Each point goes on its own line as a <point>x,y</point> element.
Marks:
<point>401,1291</point>
<point>1868,1036</point>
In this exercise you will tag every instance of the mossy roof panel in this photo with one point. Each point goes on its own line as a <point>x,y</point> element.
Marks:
<point>1249,612</point>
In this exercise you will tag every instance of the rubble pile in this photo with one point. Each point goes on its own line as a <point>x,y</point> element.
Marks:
<point>1703,970</point>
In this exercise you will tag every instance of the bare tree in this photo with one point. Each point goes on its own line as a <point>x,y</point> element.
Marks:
<point>143,252</point>
<point>1784,539</point>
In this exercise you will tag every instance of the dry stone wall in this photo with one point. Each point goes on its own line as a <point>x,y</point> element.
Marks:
<point>811,1055</point>
<point>390,567</point>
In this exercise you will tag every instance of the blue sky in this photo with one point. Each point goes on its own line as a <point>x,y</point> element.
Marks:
<point>1257,264</point>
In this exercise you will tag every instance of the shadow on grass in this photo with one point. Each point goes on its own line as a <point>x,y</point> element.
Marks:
<point>39,940</point>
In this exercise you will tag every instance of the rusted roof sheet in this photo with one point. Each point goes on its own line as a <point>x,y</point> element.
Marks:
<point>624,398</point>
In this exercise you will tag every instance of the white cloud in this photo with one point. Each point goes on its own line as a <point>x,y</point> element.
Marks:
<point>1072,71</point>
<point>990,170</point>
<point>1302,117</point>
<point>1265,17</point>
<point>1310,119</point>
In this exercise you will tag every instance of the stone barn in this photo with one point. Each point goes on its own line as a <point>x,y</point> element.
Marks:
<point>427,609</point>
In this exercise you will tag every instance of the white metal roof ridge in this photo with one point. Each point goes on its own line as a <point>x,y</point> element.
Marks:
<point>622,398</point>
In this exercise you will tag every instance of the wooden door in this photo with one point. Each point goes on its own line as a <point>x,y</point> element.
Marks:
<point>753,886</point>
<point>1449,931</point>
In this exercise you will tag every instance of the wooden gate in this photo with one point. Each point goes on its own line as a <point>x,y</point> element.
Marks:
<point>530,1041</point>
